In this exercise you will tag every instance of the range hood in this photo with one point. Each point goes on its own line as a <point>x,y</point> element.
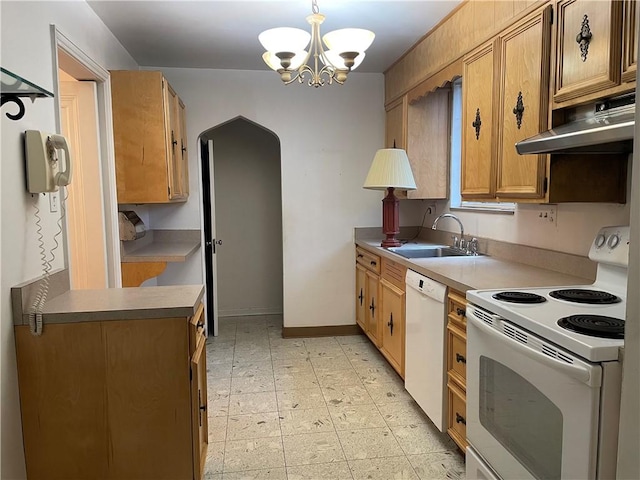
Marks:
<point>607,128</point>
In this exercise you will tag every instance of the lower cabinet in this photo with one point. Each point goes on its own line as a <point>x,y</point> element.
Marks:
<point>393,323</point>
<point>457,368</point>
<point>114,399</point>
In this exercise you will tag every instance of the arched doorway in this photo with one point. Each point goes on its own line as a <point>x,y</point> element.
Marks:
<point>242,209</point>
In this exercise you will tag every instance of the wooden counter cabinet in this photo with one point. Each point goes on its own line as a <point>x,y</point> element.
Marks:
<point>114,399</point>
<point>367,294</point>
<point>393,313</point>
<point>457,368</point>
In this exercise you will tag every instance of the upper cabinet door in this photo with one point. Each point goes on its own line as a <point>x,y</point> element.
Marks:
<point>396,125</point>
<point>525,52</point>
<point>588,47</point>
<point>478,179</point>
<point>629,42</point>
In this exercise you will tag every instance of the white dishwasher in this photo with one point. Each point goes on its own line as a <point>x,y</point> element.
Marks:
<point>424,369</point>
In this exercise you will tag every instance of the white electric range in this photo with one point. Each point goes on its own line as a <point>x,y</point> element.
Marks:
<point>543,377</point>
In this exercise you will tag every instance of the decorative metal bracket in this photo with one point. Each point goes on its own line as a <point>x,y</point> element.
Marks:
<point>584,37</point>
<point>7,97</point>
<point>477,124</point>
<point>518,110</point>
<point>13,88</point>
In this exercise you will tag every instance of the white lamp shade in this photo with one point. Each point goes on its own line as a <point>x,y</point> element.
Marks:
<point>284,39</point>
<point>338,62</point>
<point>273,61</point>
<point>349,40</point>
<point>390,168</point>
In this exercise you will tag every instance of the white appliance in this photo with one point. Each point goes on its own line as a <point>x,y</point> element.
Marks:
<point>543,392</point>
<point>424,365</point>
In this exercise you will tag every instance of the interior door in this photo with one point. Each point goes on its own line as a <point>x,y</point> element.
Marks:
<point>84,205</point>
<point>208,209</point>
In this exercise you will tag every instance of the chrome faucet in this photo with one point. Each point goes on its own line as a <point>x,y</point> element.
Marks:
<point>456,243</point>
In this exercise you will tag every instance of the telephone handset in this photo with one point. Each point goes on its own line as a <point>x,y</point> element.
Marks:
<point>43,161</point>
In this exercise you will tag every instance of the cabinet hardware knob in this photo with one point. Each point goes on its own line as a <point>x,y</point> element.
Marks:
<point>373,263</point>
<point>360,255</point>
<point>477,124</point>
<point>518,110</point>
<point>372,307</point>
<point>460,358</point>
<point>199,325</point>
<point>584,38</point>
<point>360,297</point>
<point>174,142</point>
<point>182,147</point>
<point>461,312</point>
<point>460,419</point>
<point>390,323</point>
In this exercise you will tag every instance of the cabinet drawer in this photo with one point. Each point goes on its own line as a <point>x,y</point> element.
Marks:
<point>394,273</point>
<point>456,307</point>
<point>368,260</point>
<point>196,328</point>
<point>457,414</point>
<point>457,353</point>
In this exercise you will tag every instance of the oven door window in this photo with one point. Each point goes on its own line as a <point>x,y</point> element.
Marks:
<point>521,418</point>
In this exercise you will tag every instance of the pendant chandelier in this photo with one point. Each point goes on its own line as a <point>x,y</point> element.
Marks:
<point>286,51</point>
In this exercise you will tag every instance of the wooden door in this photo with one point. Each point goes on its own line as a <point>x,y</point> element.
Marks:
<point>85,211</point>
<point>184,151</point>
<point>524,105</point>
<point>392,321</point>
<point>199,412</point>
<point>361,297</point>
<point>396,125</point>
<point>629,42</point>
<point>478,178</point>
<point>373,305</point>
<point>61,377</point>
<point>594,63</point>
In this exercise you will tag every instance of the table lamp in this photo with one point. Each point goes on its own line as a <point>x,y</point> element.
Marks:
<point>390,170</point>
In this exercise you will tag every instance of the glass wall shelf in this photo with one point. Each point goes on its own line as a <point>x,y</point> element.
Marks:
<point>13,87</point>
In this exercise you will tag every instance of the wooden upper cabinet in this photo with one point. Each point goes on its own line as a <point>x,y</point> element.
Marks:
<point>588,47</point>
<point>428,140</point>
<point>478,179</point>
<point>147,118</point>
<point>523,101</point>
<point>396,124</point>
<point>629,42</point>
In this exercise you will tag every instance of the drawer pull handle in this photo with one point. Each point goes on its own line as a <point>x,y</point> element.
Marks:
<point>461,312</point>
<point>460,359</point>
<point>460,419</point>
<point>372,307</point>
<point>360,297</point>
<point>390,324</point>
<point>360,255</point>
<point>203,408</point>
<point>200,325</point>
<point>584,38</point>
<point>373,263</point>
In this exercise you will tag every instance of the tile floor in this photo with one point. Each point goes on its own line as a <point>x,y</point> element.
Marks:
<point>314,408</point>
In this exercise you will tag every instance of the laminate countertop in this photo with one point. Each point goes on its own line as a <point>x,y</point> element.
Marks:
<point>477,272</point>
<point>120,304</point>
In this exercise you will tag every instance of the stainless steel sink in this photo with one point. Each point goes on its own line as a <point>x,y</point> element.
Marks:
<point>428,252</point>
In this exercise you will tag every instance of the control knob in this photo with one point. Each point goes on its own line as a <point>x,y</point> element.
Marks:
<point>600,239</point>
<point>613,241</point>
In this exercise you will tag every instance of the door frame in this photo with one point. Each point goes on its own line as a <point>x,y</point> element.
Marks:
<point>91,70</point>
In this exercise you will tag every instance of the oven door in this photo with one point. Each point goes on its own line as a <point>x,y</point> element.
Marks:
<point>532,409</point>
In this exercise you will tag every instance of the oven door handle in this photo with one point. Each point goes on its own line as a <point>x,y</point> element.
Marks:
<point>577,372</point>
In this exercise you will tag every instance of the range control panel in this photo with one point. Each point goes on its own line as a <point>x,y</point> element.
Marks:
<point>611,246</point>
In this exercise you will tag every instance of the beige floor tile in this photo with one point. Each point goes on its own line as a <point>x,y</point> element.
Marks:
<point>218,405</point>
<point>264,474</point>
<point>378,375</point>
<point>217,428</point>
<point>351,417</point>
<point>340,362</point>
<point>390,392</point>
<point>255,454</point>
<point>352,339</point>
<point>312,448</point>
<point>219,370</point>
<point>369,443</point>
<point>245,403</point>
<point>422,438</point>
<point>219,386</point>
<point>295,381</point>
<point>252,384</point>
<point>252,369</point>
<point>402,413</point>
<point>319,351</point>
<point>445,465</point>
<point>364,362</point>
<point>215,457</point>
<point>396,468</point>
<point>256,425</point>
<point>346,395</point>
<point>212,476</point>
<point>300,399</point>
<point>329,378</point>
<point>314,420</point>
<point>324,471</point>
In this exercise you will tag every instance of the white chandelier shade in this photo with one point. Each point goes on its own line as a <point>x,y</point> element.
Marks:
<point>287,52</point>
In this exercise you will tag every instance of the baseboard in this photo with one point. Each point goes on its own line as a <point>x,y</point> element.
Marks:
<point>246,312</point>
<point>327,331</point>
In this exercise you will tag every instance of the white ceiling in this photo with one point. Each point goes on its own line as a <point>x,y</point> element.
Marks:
<point>224,34</point>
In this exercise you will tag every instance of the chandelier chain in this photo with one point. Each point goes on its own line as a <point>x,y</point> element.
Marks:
<point>314,6</point>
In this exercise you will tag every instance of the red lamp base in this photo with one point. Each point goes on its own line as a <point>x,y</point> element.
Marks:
<point>390,219</point>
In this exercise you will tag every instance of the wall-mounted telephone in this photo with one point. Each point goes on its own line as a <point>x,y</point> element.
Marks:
<point>42,152</point>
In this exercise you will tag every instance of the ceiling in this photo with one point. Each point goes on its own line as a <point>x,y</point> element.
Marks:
<point>224,34</point>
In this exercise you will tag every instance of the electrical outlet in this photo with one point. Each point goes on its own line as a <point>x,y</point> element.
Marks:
<point>53,202</point>
<point>548,214</point>
<point>431,208</point>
